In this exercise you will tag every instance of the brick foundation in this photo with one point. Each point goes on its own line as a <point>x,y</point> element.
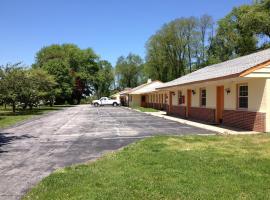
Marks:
<point>178,111</point>
<point>149,105</point>
<point>157,106</point>
<point>164,106</point>
<point>254,121</point>
<point>202,114</point>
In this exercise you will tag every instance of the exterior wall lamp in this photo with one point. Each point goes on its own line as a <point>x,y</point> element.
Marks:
<point>193,92</point>
<point>228,90</point>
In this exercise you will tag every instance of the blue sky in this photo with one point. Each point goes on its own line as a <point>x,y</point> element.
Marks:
<point>111,27</point>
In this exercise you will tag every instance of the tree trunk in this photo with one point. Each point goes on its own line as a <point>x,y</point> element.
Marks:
<point>79,100</point>
<point>13,107</point>
<point>25,106</point>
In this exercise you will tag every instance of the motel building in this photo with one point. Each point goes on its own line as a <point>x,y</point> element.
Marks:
<point>146,95</point>
<point>235,93</point>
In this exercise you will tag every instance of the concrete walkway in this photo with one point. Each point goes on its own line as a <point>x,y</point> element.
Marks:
<point>217,129</point>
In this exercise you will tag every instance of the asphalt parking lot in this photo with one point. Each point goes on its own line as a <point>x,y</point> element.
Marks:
<point>34,149</point>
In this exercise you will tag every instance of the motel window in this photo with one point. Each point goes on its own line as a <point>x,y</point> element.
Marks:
<point>181,98</point>
<point>203,97</point>
<point>243,96</point>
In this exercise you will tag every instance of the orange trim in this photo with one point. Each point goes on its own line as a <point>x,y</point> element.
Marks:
<point>170,101</point>
<point>188,102</point>
<point>252,69</point>
<point>219,103</point>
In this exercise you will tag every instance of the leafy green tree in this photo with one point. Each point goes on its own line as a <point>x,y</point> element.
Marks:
<point>62,74</point>
<point>129,71</point>
<point>231,39</point>
<point>74,69</point>
<point>205,25</point>
<point>24,86</point>
<point>169,44</point>
<point>178,47</point>
<point>104,79</point>
<point>13,82</point>
<point>2,89</point>
<point>243,31</point>
<point>41,88</point>
<point>257,19</point>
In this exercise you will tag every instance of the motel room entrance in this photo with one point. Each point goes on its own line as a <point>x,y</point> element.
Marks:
<point>219,104</point>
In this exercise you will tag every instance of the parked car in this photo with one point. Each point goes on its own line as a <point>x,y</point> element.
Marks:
<point>106,101</point>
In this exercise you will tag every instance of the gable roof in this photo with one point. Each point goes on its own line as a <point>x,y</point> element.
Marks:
<point>231,68</point>
<point>147,88</point>
<point>133,89</point>
<point>125,91</point>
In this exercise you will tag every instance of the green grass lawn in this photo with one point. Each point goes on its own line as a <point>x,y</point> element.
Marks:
<point>189,167</point>
<point>142,109</point>
<point>8,118</point>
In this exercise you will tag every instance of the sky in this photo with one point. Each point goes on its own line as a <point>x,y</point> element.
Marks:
<point>110,27</point>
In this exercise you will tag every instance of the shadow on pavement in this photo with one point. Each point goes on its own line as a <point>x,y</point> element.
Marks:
<point>6,138</point>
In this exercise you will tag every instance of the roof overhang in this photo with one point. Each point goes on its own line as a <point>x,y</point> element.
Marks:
<point>202,81</point>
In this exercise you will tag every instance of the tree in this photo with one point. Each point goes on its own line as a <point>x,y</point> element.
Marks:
<point>166,51</point>
<point>41,88</point>
<point>24,86</point>
<point>104,79</point>
<point>192,40</point>
<point>74,69</point>
<point>129,70</point>
<point>13,82</point>
<point>178,48</point>
<point>63,77</point>
<point>206,23</point>
<point>243,31</point>
<point>257,18</point>
<point>2,87</point>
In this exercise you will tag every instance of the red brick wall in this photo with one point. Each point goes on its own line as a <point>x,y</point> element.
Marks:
<point>202,114</point>
<point>178,111</point>
<point>164,107</point>
<point>149,105</point>
<point>157,106</point>
<point>254,121</point>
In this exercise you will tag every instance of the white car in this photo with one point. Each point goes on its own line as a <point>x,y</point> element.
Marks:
<point>106,101</point>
